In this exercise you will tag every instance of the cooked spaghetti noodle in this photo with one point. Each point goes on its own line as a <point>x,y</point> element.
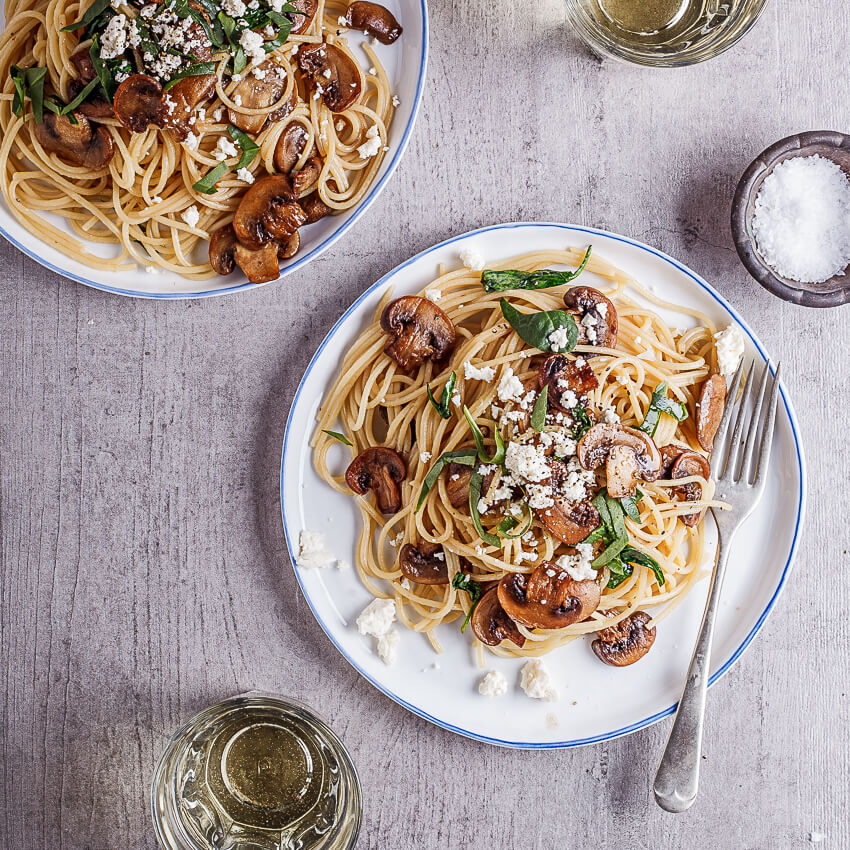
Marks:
<point>144,201</point>
<point>374,403</point>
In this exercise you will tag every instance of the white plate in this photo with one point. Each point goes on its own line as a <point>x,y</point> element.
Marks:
<point>596,702</point>
<point>404,62</point>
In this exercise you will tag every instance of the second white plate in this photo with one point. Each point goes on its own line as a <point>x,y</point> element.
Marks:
<point>596,702</point>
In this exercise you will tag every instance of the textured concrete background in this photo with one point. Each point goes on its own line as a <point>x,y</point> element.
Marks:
<point>143,573</point>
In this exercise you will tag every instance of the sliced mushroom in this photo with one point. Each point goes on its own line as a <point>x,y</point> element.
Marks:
<point>457,483</point>
<point>549,598</point>
<point>569,521</point>
<point>260,265</point>
<point>83,65</point>
<point>374,19</point>
<point>625,642</point>
<point>712,402</point>
<point>80,143</point>
<point>305,178</point>
<point>314,207</point>
<point>289,247</point>
<point>687,464</point>
<point>379,469</point>
<point>425,564</point>
<point>628,454</point>
<point>491,625</point>
<point>95,108</point>
<point>561,374</point>
<point>289,147</point>
<point>331,72</point>
<point>595,316</point>
<point>669,453</point>
<point>267,212</point>
<point>306,13</point>
<point>138,103</point>
<point>181,101</point>
<point>255,93</point>
<point>420,330</point>
<point>222,249</point>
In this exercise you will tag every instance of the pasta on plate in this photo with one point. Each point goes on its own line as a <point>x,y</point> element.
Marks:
<point>537,452</point>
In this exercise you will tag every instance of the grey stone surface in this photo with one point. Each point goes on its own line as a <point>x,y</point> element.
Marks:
<point>143,572</point>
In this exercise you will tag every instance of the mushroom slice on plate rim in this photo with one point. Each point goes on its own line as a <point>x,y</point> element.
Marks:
<point>625,642</point>
<point>491,625</point>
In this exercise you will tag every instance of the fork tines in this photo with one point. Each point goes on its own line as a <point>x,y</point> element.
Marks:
<point>742,458</point>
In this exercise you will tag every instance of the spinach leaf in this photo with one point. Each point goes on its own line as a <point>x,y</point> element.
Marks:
<point>475,484</point>
<point>582,420</point>
<point>107,81</point>
<point>462,581</point>
<point>543,279</point>
<point>658,404</point>
<point>509,523</point>
<point>337,436</point>
<point>597,534</point>
<point>464,456</point>
<point>194,70</point>
<point>207,183</point>
<point>443,408</point>
<point>249,147</point>
<point>79,98</point>
<point>538,413</point>
<point>499,454</point>
<point>630,555</point>
<point>90,14</point>
<point>629,504</point>
<point>619,572</point>
<point>534,328</point>
<point>29,81</point>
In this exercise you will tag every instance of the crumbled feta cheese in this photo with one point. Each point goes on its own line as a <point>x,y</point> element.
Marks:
<point>341,21</point>
<point>191,141</point>
<point>312,551</point>
<point>245,175</point>
<point>191,216</point>
<point>252,43</point>
<point>377,617</point>
<point>474,373</point>
<point>535,681</point>
<point>234,8</point>
<point>456,398</point>
<point>568,397</point>
<point>730,349</point>
<point>396,101</point>
<point>510,387</point>
<point>424,457</point>
<point>388,647</point>
<point>588,321</point>
<point>342,565</point>
<point>578,566</point>
<point>372,145</point>
<point>326,73</point>
<point>237,99</point>
<point>152,269</point>
<point>113,40</point>
<point>431,294</point>
<point>527,461</point>
<point>558,339</point>
<point>224,148</point>
<point>373,72</point>
<point>609,416</point>
<point>471,259</point>
<point>494,684</point>
<point>405,583</point>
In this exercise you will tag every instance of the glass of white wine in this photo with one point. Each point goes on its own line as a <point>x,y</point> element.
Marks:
<point>663,32</point>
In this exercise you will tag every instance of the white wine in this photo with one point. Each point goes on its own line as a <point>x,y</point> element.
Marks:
<point>256,772</point>
<point>645,18</point>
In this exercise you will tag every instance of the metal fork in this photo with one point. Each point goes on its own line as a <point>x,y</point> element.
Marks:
<point>739,464</point>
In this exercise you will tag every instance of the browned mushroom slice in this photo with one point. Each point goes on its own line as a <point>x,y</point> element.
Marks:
<point>374,19</point>
<point>425,564</point>
<point>80,143</point>
<point>95,107</point>
<point>712,402</point>
<point>687,464</point>
<point>289,147</point>
<point>314,207</point>
<point>628,454</point>
<point>595,316</point>
<point>457,483</point>
<point>304,17</point>
<point>563,375</point>
<point>490,623</point>
<point>83,65</point>
<point>255,93</point>
<point>289,247</point>
<point>331,72</point>
<point>305,178</point>
<point>669,453</point>
<point>138,103</point>
<point>222,249</point>
<point>181,101</point>
<point>380,469</point>
<point>420,330</point>
<point>267,211</point>
<point>625,642</point>
<point>569,521</point>
<point>549,598</point>
<point>259,266</point>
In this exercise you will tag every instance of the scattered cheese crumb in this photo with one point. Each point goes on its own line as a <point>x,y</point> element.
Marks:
<point>431,294</point>
<point>312,551</point>
<point>372,145</point>
<point>494,684</point>
<point>191,216</point>
<point>396,101</point>
<point>473,373</point>
<point>535,681</point>
<point>245,175</point>
<point>424,457</point>
<point>471,259</point>
<point>377,617</point>
<point>388,647</point>
<point>730,349</point>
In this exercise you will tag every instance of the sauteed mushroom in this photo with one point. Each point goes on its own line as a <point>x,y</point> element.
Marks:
<point>420,331</point>
<point>628,454</point>
<point>314,207</point>
<point>380,469</point>
<point>267,212</point>
<point>331,72</point>
<point>669,453</point>
<point>457,483</point>
<point>374,19</point>
<point>712,402</point>
<point>222,249</point>
<point>570,522</point>
<point>549,598</point>
<point>595,316</point>
<point>306,13</point>
<point>138,102</point>
<point>561,375</point>
<point>182,99</point>
<point>80,143</point>
<point>424,564</point>
<point>259,266</point>
<point>260,93</point>
<point>92,107</point>
<point>289,247</point>
<point>289,147</point>
<point>625,642</point>
<point>687,464</point>
<point>490,623</point>
<point>306,177</point>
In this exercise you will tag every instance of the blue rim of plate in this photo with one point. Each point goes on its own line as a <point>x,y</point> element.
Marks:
<point>646,721</point>
<point>286,270</point>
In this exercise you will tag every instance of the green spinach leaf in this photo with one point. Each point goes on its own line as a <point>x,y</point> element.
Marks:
<point>535,328</point>
<point>544,279</point>
<point>466,457</point>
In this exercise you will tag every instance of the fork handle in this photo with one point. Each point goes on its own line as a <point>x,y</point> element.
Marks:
<point>677,780</point>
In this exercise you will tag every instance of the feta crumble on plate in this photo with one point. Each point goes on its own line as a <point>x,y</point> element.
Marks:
<point>376,618</point>
<point>494,684</point>
<point>312,551</point>
<point>535,681</point>
<point>471,259</point>
<point>730,349</point>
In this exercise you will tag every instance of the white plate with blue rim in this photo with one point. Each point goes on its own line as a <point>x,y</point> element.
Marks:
<point>405,62</point>
<point>597,702</point>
